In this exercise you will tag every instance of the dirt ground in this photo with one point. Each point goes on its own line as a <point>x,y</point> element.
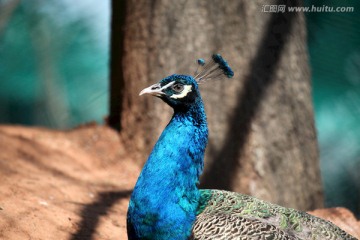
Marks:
<point>75,185</point>
<point>63,185</point>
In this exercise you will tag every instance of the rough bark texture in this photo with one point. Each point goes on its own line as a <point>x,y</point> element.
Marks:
<point>262,137</point>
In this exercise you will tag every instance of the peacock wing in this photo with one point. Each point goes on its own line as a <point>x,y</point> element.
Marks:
<point>229,215</point>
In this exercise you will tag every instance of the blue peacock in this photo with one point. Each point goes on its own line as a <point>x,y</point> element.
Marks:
<point>166,202</point>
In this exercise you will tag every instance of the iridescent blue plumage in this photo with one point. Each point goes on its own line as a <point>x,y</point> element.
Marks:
<point>165,199</point>
<point>223,65</point>
<point>201,61</point>
<point>216,68</point>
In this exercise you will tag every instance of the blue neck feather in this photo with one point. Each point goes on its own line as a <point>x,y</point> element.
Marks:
<point>165,199</point>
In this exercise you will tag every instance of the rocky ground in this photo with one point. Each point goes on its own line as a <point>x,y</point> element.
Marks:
<point>76,185</point>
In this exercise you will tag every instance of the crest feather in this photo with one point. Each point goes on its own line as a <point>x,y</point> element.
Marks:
<point>217,67</point>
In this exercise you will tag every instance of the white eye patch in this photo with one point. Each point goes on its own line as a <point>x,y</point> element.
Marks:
<point>167,85</point>
<point>187,89</point>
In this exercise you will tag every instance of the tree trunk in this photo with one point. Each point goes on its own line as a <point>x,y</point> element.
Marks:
<point>261,124</point>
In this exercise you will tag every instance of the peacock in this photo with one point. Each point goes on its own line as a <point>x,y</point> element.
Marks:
<point>166,202</point>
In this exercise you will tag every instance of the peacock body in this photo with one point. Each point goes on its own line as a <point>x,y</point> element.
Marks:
<point>166,202</point>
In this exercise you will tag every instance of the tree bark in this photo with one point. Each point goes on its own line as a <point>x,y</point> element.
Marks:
<point>262,137</point>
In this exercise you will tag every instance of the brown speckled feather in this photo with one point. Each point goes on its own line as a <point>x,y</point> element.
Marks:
<point>229,215</point>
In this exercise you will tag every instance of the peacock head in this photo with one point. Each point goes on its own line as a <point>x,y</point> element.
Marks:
<point>175,90</point>
<point>180,91</point>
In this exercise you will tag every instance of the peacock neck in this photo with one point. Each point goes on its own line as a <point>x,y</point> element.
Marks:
<point>194,114</point>
<point>166,197</point>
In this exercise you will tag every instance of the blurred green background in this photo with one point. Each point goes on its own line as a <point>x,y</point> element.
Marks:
<point>54,58</point>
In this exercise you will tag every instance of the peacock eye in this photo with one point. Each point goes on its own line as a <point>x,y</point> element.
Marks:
<point>177,87</point>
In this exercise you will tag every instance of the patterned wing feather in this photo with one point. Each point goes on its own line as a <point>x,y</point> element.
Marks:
<point>225,226</point>
<point>229,215</point>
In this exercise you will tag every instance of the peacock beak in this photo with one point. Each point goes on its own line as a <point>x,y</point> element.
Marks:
<point>156,89</point>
